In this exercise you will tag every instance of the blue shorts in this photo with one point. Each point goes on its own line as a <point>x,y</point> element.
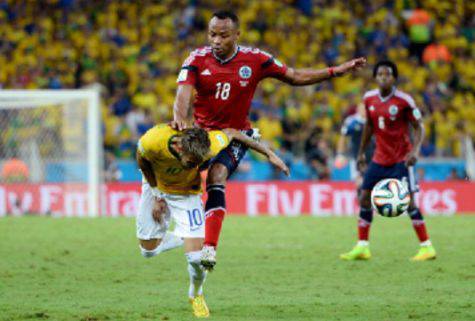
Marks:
<point>232,155</point>
<point>376,172</point>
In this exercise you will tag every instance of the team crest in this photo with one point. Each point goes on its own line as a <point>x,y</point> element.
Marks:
<point>393,110</point>
<point>245,72</point>
<point>371,108</point>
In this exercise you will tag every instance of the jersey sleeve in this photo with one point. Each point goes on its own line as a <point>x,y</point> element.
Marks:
<point>189,71</point>
<point>219,140</point>
<point>270,66</point>
<point>412,112</point>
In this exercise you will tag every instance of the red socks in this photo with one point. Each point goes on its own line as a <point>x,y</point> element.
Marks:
<point>363,230</point>
<point>213,222</point>
<point>421,231</point>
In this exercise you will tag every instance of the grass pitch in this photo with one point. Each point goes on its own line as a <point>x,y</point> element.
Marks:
<point>268,269</point>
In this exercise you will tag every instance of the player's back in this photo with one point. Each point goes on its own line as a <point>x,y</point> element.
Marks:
<point>390,117</point>
<point>171,176</point>
<point>225,88</point>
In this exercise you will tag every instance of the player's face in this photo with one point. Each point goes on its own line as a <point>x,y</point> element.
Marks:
<point>189,161</point>
<point>222,36</point>
<point>385,77</point>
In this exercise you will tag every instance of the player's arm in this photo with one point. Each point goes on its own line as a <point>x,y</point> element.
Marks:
<point>258,147</point>
<point>365,139</point>
<point>147,170</point>
<point>159,206</point>
<point>419,133</point>
<point>341,145</point>
<point>182,111</point>
<point>303,77</point>
<point>340,158</point>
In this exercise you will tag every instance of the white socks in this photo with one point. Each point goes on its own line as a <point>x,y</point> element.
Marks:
<point>426,243</point>
<point>362,243</point>
<point>197,273</point>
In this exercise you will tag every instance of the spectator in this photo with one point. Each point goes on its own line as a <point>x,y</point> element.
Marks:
<point>112,172</point>
<point>133,58</point>
<point>427,148</point>
<point>436,53</point>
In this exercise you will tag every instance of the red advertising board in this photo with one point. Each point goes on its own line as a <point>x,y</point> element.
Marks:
<point>245,198</point>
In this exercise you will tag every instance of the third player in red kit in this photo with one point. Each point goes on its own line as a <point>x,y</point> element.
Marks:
<point>389,115</point>
<point>224,77</point>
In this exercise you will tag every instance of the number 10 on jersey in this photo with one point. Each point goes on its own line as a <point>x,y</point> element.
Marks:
<point>222,90</point>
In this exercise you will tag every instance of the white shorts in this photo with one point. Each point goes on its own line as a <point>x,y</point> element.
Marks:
<point>185,210</point>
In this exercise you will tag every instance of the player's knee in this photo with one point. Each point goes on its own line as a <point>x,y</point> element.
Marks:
<point>217,174</point>
<point>412,203</point>
<point>365,198</point>
<point>414,213</point>
<point>149,248</point>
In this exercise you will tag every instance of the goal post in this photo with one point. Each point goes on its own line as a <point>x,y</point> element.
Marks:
<point>51,152</point>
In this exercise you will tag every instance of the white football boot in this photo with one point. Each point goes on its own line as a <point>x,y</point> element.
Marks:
<point>208,257</point>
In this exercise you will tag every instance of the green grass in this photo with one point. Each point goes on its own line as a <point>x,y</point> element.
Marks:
<point>269,269</point>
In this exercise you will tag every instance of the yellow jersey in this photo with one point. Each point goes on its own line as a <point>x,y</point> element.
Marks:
<point>171,176</point>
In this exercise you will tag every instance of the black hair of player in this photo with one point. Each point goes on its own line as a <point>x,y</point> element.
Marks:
<point>227,14</point>
<point>385,63</point>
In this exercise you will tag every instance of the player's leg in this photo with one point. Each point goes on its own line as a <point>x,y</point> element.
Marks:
<point>187,212</point>
<point>222,166</point>
<point>197,275</point>
<point>215,210</point>
<point>361,250</point>
<point>153,237</point>
<point>427,250</point>
<point>215,207</point>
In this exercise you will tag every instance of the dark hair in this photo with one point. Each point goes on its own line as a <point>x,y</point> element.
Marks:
<point>195,141</point>
<point>385,63</point>
<point>226,14</point>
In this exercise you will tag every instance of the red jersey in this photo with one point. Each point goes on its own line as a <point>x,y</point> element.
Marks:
<point>391,117</point>
<point>225,88</point>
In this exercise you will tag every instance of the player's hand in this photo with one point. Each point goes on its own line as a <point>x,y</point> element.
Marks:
<point>279,163</point>
<point>159,210</point>
<point>411,159</point>
<point>340,161</point>
<point>361,163</point>
<point>178,124</point>
<point>351,65</point>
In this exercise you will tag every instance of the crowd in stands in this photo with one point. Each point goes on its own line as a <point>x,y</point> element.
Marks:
<point>132,51</point>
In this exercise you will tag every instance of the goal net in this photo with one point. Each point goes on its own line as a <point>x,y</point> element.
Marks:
<point>50,152</point>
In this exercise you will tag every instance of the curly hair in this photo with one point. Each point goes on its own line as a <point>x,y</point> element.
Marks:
<point>386,63</point>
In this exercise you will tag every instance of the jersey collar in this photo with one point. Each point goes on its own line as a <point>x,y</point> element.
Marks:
<point>383,99</point>
<point>224,61</point>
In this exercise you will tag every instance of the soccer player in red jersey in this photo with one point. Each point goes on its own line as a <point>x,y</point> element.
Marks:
<point>225,76</point>
<point>389,115</point>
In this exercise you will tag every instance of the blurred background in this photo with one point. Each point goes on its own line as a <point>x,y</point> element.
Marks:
<point>132,50</point>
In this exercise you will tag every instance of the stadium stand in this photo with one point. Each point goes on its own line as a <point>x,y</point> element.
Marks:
<point>132,51</point>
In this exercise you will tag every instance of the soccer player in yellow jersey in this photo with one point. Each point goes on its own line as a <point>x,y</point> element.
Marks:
<point>171,189</point>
